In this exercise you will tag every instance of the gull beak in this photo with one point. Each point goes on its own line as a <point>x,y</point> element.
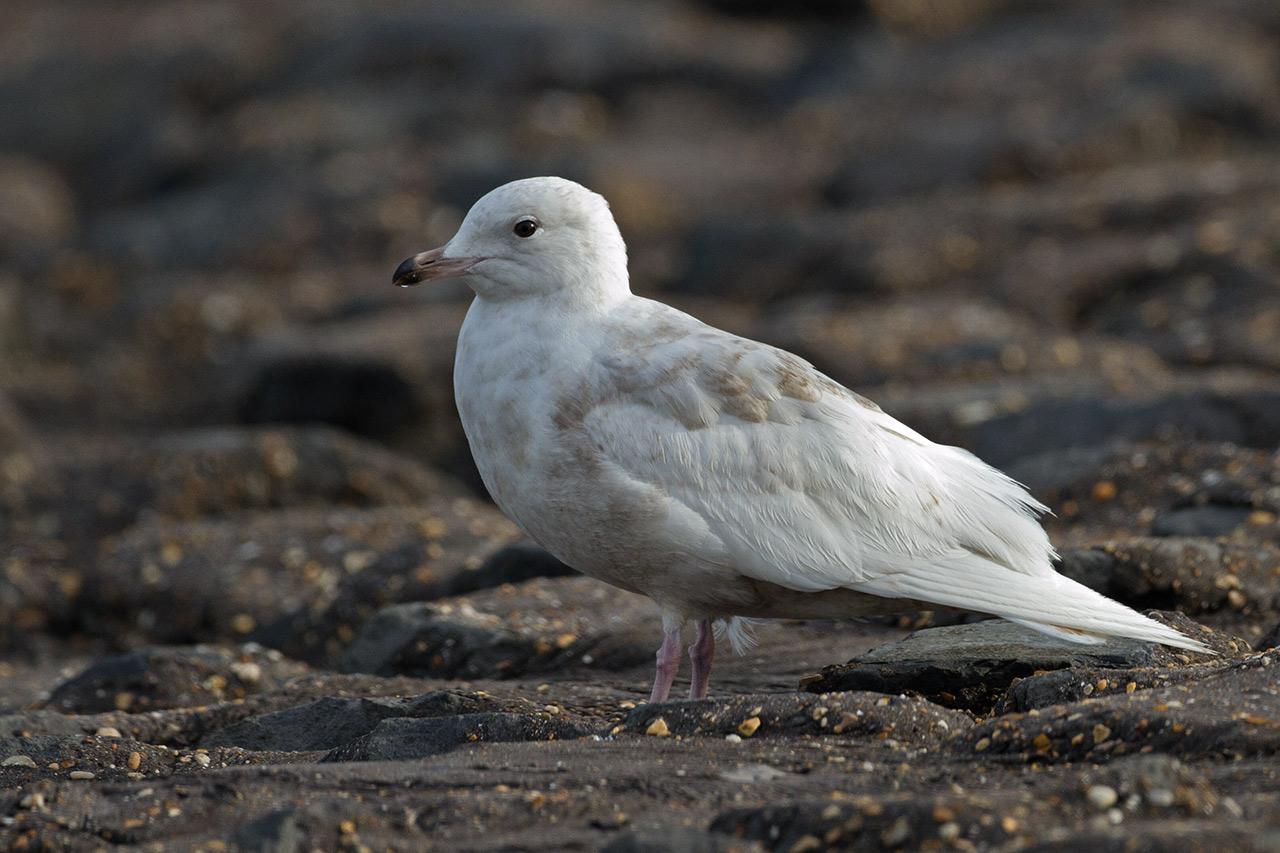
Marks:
<point>430,266</point>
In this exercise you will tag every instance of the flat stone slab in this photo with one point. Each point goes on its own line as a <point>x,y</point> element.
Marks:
<point>333,721</point>
<point>401,738</point>
<point>971,666</point>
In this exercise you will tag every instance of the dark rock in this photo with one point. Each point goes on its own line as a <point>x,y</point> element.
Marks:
<point>105,756</point>
<point>1107,488</point>
<point>1217,710</point>
<point>403,739</point>
<point>1093,567</point>
<point>171,678</point>
<point>513,564</point>
<point>298,580</point>
<point>206,224</point>
<point>1193,575</point>
<point>543,625</point>
<point>938,338</point>
<point>40,748</point>
<point>907,720</point>
<point>758,257</point>
<point>44,750</point>
<point>297,828</point>
<point>1250,419</point>
<point>1204,312</point>
<point>675,840</point>
<point>96,487</point>
<point>403,574</point>
<point>300,700</point>
<point>828,10</point>
<point>29,723</point>
<point>1154,792</point>
<point>1200,521</point>
<point>368,399</point>
<point>971,666</point>
<point>406,351</point>
<point>333,721</point>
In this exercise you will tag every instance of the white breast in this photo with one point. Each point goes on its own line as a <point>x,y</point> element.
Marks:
<point>516,381</point>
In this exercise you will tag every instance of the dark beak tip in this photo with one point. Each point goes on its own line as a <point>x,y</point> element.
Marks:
<point>406,274</point>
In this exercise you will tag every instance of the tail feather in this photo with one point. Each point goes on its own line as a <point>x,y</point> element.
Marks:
<point>1071,635</point>
<point>1047,602</point>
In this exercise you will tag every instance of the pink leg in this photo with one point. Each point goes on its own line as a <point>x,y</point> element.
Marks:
<point>701,653</point>
<point>668,665</point>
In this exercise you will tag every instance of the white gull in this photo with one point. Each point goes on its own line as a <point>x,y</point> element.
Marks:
<point>719,476</point>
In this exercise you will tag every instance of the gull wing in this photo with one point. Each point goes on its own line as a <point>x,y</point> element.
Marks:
<point>807,484</point>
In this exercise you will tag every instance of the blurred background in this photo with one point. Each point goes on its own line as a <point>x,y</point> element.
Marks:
<point>1022,227</point>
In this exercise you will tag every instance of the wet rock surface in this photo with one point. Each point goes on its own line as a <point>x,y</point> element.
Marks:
<point>253,595</point>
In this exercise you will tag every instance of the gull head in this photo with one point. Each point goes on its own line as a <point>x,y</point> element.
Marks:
<point>537,237</point>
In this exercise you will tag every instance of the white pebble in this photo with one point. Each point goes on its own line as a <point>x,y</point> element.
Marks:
<point>1102,797</point>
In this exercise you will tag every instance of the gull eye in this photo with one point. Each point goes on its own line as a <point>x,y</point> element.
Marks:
<point>525,228</point>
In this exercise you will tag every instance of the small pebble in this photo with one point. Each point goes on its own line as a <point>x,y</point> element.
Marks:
<point>1160,797</point>
<point>748,726</point>
<point>806,844</point>
<point>108,731</point>
<point>18,761</point>
<point>135,760</point>
<point>247,671</point>
<point>202,759</point>
<point>897,833</point>
<point>658,728</point>
<point>80,775</point>
<point>1102,797</point>
<point>732,738</point>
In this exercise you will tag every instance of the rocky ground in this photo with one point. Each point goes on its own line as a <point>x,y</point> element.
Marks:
<point>253,598</point>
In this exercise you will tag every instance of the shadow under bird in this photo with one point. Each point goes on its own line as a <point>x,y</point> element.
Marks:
<point>719,476</point>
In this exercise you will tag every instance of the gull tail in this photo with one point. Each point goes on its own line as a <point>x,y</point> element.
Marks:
<point>1049,602</point>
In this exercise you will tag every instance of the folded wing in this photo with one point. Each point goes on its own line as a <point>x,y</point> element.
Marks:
<point>811,487</point>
